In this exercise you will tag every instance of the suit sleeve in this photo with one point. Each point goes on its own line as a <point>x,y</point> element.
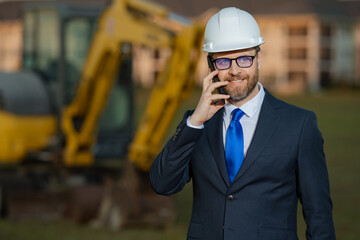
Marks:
<point>170,170</point>
<point>313,183</point>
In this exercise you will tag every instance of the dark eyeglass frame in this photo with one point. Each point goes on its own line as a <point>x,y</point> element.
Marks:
<point>236,60</point>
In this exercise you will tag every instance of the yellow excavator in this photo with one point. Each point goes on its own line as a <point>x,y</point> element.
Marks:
<point>71,107</point>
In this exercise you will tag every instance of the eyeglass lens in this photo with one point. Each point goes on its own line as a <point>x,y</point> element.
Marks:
<point>225,63</point>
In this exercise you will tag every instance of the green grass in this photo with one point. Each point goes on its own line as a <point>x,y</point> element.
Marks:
<point>338,115</point>
<point>339,120</point>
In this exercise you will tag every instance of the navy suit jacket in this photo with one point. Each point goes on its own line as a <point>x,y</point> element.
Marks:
<point>285,163</point>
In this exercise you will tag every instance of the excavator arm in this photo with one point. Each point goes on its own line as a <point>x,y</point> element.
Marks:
<point>125,21</point>
<point>174,84</point>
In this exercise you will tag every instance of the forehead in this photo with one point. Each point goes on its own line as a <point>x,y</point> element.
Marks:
<point>235,54</point>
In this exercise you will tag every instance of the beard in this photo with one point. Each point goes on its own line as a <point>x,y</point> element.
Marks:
<point>237,94</point>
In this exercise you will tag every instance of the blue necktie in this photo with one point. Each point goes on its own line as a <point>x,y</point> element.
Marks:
<point>234,149</point>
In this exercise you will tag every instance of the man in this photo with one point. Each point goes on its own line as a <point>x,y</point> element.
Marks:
<point>250,156</point>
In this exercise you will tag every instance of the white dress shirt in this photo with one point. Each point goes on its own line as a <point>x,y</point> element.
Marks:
<point>248,122</point>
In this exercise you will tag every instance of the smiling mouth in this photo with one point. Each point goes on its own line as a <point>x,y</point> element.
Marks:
<point>237,81</point>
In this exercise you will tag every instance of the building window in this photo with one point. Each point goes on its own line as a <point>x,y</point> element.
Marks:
<point>326,30</point>
<point>325,54</point>
<point>297,53</point>
<point>298,31</point>
<point>325,79</point>
<point>297,77</point>
<point>157,56</point>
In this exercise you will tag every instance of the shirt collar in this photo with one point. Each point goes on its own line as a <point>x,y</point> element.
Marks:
<point>250,107</point>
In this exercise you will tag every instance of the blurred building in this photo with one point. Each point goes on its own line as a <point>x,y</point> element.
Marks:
<point>310,44</point>
<point>10,37</point>
<point>11,30</point>
<point>308,51</point>
<point>357,50</point>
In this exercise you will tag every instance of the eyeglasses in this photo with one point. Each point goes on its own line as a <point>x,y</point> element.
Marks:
<point>225,63</point>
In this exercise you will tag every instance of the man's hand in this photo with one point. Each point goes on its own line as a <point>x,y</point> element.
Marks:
<point>205,108</point>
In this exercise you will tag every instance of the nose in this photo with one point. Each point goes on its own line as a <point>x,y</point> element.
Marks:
<point>234,68</point>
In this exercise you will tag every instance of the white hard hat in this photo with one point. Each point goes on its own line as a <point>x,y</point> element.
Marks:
<point>231,29</point>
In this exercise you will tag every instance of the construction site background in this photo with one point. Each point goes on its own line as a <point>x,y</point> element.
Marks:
<point>310,45</point>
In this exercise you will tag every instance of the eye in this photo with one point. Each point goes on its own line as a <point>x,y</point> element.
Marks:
<point>222,63</point>
<point>244,59</point>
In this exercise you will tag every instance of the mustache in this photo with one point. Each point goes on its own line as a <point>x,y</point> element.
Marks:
<point>235,77</point>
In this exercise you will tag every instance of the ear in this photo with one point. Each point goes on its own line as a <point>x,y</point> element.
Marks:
<point>259,58</point>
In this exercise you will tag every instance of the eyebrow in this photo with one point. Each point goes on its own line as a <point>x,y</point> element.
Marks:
<point>247,54</point>
<point>234,57</point>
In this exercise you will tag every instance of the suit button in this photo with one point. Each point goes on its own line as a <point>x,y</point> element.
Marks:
<point>230,197</point>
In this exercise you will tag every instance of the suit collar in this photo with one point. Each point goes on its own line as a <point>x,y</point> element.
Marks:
<point>214,133</point>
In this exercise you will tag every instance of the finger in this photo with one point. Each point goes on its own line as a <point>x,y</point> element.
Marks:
<point>219,97</point>
<point>215,85</point>
<point>208,79</point>
<point>216,98</point>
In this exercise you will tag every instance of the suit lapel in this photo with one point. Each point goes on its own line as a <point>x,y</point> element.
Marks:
<point>267,123</point>
<point>214,133</point>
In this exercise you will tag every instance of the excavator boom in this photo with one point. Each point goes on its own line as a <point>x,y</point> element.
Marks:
<point>174,84</point>
<point>125,21</point>
<point>80,118</point>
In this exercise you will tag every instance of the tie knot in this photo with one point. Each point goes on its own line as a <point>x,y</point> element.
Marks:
<point>237,114</point>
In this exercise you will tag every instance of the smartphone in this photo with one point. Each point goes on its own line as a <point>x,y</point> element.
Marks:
<point>215,79</point>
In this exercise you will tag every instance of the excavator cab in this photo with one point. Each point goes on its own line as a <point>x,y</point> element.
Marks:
<point>86,116</point>
<point>57,38</point>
